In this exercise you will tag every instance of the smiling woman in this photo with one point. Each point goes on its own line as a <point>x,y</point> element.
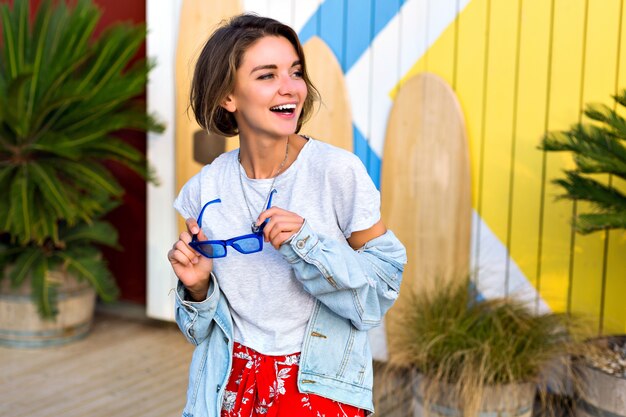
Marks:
<point>330,265</point>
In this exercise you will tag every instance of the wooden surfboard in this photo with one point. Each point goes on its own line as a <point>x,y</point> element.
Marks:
<point>426,183</point>
<point>194,147</point>
<point>332,121</point>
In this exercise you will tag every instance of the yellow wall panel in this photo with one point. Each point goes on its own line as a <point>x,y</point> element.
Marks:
<point>563,110</point>
<point>472,27</point>
<point>439,59</point>
<point>615,309</point>
<point>598,83</point>
<point>530,124</point>
<point>500,99</point>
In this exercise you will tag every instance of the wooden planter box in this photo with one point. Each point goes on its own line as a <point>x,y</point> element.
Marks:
<point>601,394</point>
<point>402,395</point>
<point>21,326</point>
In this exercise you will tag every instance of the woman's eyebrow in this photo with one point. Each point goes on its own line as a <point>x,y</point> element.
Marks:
<point>263,67</point>
<point>273,67</point>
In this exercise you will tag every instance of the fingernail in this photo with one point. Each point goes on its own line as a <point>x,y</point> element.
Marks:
<point>195,260</point>
<point>195,230</point>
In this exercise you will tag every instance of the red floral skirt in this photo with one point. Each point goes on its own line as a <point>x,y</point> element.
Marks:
<point>262,385</point>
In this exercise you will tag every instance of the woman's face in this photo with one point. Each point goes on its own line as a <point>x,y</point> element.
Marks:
<point>269,90</point>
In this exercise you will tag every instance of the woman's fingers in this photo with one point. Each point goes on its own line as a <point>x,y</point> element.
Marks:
<point>281,226</point>
<point>175,255</point>
<point>192,226</point>
<point>181,251</point>
<point>190,267</point>
<point>186,250</point>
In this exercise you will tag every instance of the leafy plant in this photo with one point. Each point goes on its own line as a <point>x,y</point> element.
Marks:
<point>454,340</point>
<point>64,95</point>
<point>598,147</point>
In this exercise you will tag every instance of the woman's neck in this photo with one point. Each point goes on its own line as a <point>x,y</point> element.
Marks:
<point>264,158</point>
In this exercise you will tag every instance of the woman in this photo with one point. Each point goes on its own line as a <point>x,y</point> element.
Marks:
<point>280,328</point>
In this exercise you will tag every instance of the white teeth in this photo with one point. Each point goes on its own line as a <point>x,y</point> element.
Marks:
<point>284,107</point>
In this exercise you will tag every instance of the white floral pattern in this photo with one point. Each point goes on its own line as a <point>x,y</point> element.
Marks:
<point>229,400</point>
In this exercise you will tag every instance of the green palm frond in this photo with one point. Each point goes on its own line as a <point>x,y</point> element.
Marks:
<point>64,98</point>
<point>98,232</point>
<point>602,197</point>
<point>591,222</point>
<point>44,289</point>
<point>25,262</point>
<point>598,147</point>
<point>87,264</point>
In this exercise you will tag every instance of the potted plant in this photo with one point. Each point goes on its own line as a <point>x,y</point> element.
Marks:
<point>466,356</point>
<point>598,147</point>
<point>64,95</point>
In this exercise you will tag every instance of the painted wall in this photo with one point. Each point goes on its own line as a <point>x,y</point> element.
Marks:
<point>518,67</point>
<point>521,68</point>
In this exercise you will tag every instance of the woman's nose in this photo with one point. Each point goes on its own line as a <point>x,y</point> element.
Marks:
<point>287,86</point>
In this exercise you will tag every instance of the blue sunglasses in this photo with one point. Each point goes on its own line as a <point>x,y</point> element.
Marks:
<point>245,244</point>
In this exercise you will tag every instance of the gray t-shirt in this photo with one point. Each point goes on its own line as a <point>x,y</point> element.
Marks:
<point>327,186</point>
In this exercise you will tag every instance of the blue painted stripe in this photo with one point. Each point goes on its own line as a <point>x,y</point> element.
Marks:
<point>358,31</point>
<point>384,11</point>
<point>365,153</point>
<point>361,147</point>
<point>349,26</point>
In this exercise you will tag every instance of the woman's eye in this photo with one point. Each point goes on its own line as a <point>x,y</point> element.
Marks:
<point>297,74</point>
<point>266,76</point>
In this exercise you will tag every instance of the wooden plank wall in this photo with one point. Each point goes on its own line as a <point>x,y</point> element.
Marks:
<point>520,68</point>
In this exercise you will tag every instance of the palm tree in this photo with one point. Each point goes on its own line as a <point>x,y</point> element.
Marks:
<point>64,95</point>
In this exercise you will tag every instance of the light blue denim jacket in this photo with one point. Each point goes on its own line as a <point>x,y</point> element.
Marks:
<point>354,289</point>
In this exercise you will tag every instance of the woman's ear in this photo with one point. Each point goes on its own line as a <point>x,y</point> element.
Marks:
<point>229,104</point>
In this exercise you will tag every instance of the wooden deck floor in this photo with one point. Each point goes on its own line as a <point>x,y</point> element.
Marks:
<point>126,367</point>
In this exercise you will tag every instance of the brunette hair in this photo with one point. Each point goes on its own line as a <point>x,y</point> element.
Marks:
<point>214,75</point>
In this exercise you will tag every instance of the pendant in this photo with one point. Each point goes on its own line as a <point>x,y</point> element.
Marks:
<point>255,228</point>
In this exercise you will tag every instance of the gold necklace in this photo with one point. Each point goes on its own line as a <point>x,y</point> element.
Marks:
<point>253,226</point>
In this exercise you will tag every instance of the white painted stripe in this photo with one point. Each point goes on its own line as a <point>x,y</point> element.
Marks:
<point>257,6</point>
<point>291,12</point>
<point>490,268</point>
<point>358,84</point>
<point>281,10</point>
<point>303,13</point>
<point>413,34</point>
<point>162,22</point>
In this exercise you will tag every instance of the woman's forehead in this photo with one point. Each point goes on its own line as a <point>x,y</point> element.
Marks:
<point>270,50</point>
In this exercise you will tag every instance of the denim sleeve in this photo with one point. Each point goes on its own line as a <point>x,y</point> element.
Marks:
<point>194,318</point>
<point>358,285</point>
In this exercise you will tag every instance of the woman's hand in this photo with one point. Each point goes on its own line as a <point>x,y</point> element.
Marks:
<point>282,225</point>
<point>193,269</point>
